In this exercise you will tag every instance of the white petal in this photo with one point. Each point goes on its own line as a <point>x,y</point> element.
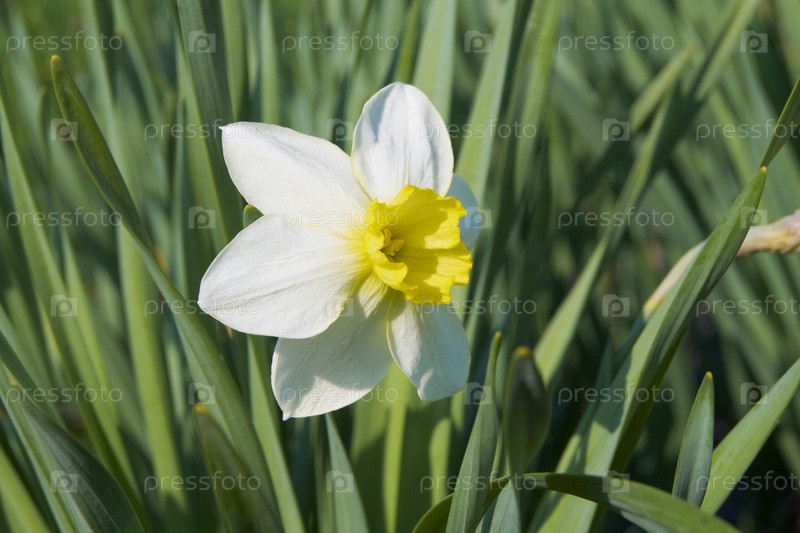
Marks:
<point>343,364</point>
<point>281,171</point>
<point>401,139</point>
<point>471,223</point>
<point>429,344</point>
<point>282,281</point>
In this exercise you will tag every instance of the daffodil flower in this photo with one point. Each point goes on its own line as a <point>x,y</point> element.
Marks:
<point>352,264</point>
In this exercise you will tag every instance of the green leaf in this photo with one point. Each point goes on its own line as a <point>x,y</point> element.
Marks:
<point>476,151</point>
<point>93,149</point>
<point>738,449</point>
<point>84,496</point>
<point>505,513</point>
<point>694,460</point>
<point>645,506</point>
<point>526,410</point>
<point>476,467</point>
<point>347,508</point>
<point>434,70</point>
<point>241,504</point>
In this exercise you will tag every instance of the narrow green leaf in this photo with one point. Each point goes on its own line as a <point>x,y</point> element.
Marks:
<point>93,149</point>
<point>505,514</point>
<point>645,506</point>
<point>526,411</point>
<point>434,71</point>
<point>738,449</point>
<point>475,154</point>
<point>347,508</point>
<point>235,488</point>
<point>786,127</point>
<point>476,467</point>
<point>694,460</point>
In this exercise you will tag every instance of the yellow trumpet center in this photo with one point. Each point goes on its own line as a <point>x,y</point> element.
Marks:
<point>415,245</point>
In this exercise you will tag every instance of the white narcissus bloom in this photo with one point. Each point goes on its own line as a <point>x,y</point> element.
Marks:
<point>352,264</point>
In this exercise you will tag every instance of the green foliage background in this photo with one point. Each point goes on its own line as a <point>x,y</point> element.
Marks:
<point>660,108</point>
